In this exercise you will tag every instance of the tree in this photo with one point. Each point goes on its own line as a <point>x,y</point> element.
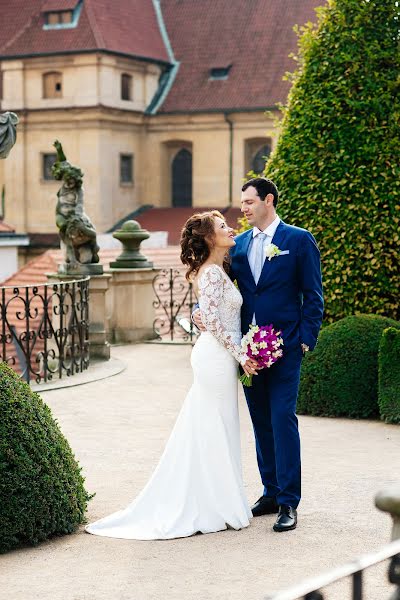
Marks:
<point>337,160</point>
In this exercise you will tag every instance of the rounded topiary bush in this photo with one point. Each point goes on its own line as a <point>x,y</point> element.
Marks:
<point>340,377</point>
<point>41,487</point>
<point>389,376</point>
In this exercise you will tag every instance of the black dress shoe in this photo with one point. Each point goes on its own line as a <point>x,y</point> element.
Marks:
<point>264,506</point>
<point>287,518</point>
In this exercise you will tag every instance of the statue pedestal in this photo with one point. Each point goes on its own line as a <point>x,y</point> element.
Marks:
<point>84,270</point>
<point>98,317</point>
<point>133,313</point>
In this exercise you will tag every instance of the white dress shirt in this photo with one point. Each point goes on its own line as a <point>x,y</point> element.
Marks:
<point>269,232</point>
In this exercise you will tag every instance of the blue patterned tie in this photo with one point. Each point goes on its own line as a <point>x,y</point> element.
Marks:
<point>259,256</point>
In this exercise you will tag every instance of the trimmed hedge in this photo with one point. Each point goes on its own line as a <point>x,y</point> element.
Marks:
<point>336,163</point>
<point>41,487</point>
<point>389,376</point>
<point>340,377</point>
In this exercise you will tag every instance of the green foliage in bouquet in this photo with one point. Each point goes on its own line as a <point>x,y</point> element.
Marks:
<point>389,376</point>
<point>340,377</point>
<point>336,163</point>
<point>41,487</point>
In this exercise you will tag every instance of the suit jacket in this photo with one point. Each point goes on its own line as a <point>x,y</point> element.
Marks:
<point>289,292</point>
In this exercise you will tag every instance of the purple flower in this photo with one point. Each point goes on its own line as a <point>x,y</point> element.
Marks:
<point>264,345</point>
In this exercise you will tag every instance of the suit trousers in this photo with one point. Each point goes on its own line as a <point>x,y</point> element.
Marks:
<point>272,404</point>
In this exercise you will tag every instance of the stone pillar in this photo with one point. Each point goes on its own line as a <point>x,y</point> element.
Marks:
<point>98,317</point>
<point>133,312</point>
<point>388,500</point>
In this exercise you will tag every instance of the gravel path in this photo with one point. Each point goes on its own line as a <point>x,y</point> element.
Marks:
<point>118,428</point>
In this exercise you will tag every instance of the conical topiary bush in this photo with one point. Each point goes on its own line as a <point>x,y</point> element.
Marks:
<point>42,490</point>
<point>336,163</point>
<point>340,377</point>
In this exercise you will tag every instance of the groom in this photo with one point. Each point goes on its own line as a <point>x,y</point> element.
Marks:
<point>277,269</point>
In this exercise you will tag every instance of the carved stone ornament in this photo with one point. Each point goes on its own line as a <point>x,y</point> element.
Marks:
<point>8,132</point>
<point>77,233</point>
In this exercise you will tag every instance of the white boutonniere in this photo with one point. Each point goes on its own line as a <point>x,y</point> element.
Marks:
<point>272,251</point>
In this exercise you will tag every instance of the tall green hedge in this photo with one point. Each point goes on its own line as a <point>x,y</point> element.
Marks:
<point>389,376</point>
<point>337,162</point>
<point>41,487</point>
<point>340,377</point>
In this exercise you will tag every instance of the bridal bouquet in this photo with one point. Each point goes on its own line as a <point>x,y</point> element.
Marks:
<point>262,344</point>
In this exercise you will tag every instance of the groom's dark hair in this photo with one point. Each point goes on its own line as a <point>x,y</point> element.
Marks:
<point>264,187</point>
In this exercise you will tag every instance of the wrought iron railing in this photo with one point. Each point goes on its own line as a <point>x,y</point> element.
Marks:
<point>311,589</point>
<point>388,501</point>
<point>44,329</point>
<point>174,302</point>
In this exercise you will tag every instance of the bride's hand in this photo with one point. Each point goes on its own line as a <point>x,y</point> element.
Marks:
<point>250,367</point>
<point>196,317</point>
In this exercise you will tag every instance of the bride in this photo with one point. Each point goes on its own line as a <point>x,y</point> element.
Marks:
<point>197,486</point>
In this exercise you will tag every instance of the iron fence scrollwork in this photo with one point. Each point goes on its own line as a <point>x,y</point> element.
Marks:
<point>44,329</point>
<point>175,299</point>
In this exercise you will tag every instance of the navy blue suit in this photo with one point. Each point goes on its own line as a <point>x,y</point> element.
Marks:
<point>289,296</point>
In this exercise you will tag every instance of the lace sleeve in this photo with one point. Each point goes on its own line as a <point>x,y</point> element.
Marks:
<point>211,287</point>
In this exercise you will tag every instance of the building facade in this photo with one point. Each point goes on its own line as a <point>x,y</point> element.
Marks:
<point>160,103</point>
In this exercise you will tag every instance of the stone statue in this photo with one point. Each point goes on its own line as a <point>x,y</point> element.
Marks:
<point>8,132</point>
<point>77,233</point>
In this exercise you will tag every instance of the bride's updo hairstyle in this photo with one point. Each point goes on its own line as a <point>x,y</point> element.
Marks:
<point>197,241</point>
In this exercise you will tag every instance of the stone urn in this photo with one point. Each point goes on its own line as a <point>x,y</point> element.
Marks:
<point>131,235</point>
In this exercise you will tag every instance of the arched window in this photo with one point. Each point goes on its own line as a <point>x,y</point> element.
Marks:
<point>260,158</point>
<point>257,151</point>
<point>182,178</point>
<point>126,87</point>
<point>52,85</point>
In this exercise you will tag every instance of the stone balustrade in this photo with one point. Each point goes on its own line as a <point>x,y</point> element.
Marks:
<point>388,500</point>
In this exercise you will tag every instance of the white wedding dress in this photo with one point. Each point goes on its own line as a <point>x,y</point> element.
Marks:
<point>197,486</point>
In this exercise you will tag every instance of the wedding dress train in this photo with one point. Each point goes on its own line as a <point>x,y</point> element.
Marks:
<point>197,485</point>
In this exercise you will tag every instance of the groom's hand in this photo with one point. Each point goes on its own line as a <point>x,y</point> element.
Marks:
<point>196,317</point>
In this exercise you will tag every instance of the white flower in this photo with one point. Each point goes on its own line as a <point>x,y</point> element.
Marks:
<point>271,251</point>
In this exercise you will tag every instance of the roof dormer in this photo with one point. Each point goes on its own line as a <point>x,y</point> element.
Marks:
<point>61,14</point>
<point>220,73</point>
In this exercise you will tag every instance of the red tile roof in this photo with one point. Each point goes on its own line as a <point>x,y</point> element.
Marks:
<point>255,37</point>
<point>13,19</point>
<point>54,5</point>
<point>120,26</point>
<point>35,270</point>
